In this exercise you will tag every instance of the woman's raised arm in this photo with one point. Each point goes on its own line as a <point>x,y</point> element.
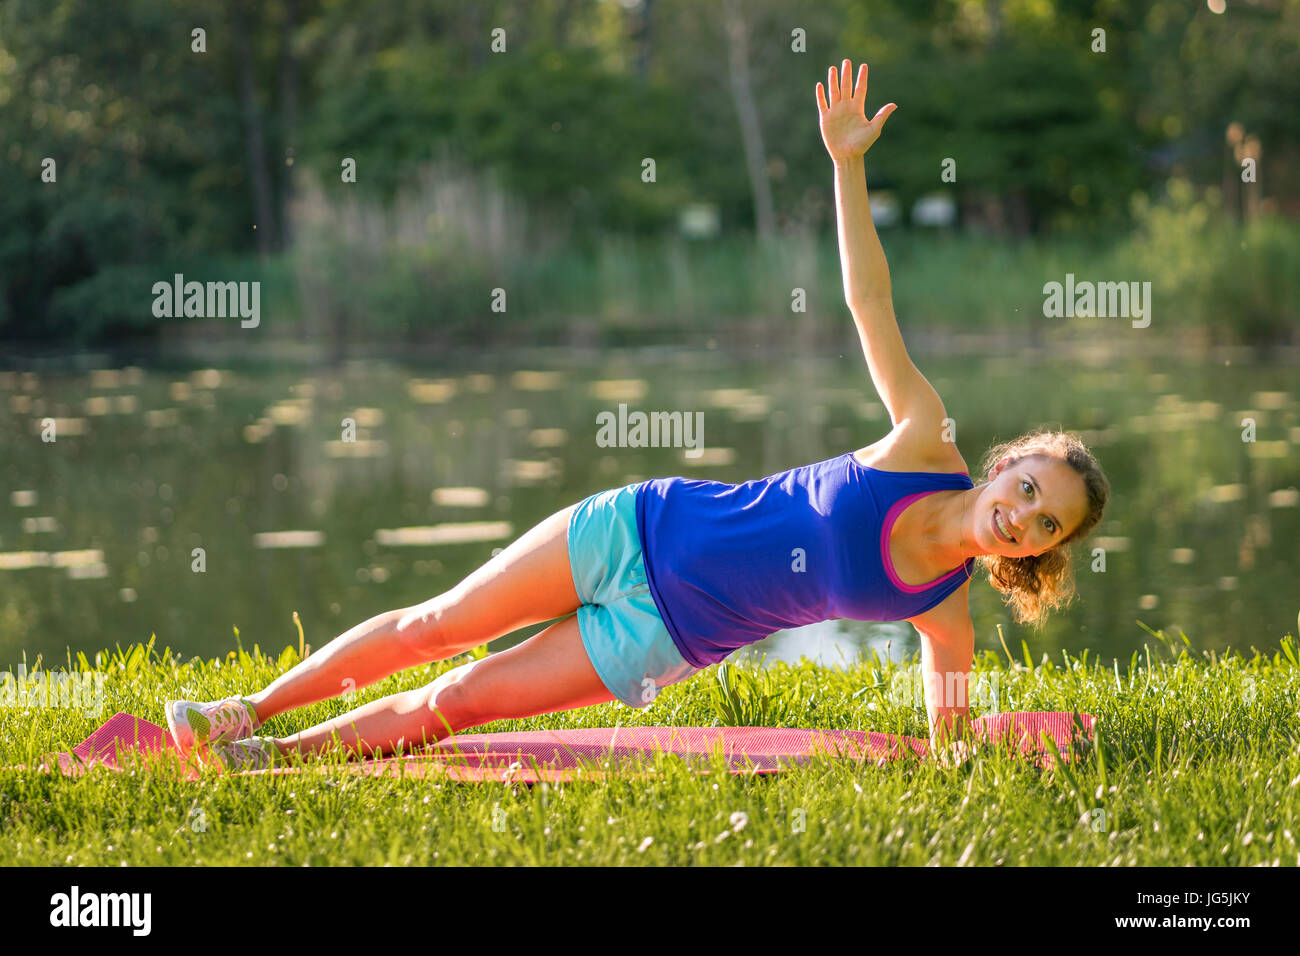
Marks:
<point>848,134</point>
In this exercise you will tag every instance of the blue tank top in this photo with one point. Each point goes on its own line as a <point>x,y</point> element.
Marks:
<point>729,564</point>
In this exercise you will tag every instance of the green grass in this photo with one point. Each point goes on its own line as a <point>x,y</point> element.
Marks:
<point>1197,763</point>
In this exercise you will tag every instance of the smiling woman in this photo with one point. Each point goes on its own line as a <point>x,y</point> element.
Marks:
<point>659,579</point>
<point>1035,583</point>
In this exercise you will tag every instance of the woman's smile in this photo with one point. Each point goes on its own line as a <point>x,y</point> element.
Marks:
<point>1000,529</point>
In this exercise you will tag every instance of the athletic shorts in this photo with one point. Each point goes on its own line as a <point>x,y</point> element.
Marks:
<point>622,632</point>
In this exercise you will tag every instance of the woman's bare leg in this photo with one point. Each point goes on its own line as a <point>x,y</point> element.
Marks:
<point>548,672</point>
<point>528,582</point>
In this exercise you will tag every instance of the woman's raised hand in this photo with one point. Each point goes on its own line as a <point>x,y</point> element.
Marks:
<point>846,131</point>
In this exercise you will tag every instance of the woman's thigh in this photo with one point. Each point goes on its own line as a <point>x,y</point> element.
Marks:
<point>528,582</point>
<point>549,672</point>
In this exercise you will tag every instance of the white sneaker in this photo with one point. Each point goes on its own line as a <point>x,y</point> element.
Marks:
<point>192,723</point>
<point>251,753</point>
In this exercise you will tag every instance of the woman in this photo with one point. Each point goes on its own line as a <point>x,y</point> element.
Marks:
<point>654,581</point>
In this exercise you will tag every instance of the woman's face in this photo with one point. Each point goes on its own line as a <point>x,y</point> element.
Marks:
<point>1039,501</point>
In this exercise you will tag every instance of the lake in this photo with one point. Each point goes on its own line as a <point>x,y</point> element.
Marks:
<point>292,510</point>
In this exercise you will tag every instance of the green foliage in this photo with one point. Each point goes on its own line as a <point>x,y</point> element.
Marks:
<point>1240,280</point>
<point>160,151</point>
<point>762,698</point>
<point>1019,121</point>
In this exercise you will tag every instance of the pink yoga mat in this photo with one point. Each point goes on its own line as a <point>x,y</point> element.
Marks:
<point>556,755</point>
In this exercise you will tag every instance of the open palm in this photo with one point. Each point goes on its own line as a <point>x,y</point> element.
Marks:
<point>846,131</point>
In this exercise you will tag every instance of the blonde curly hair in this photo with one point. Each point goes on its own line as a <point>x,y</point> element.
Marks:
<point>1035,585</point>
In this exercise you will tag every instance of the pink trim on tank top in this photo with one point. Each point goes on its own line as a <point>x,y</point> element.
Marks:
<point>890,517</point>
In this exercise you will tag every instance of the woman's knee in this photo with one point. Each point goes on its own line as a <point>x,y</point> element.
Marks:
<point>449,700</point>
<point>423,627</point>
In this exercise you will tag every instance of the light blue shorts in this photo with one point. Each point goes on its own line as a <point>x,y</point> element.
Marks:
<point>624,636</point>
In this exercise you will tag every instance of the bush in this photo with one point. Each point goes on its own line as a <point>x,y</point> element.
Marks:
<point>1239,281</point>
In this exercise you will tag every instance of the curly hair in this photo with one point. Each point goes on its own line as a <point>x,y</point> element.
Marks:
<point>1035,585</point>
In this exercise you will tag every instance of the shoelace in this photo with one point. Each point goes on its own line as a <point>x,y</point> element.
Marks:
<point>255,756</point>
<point>230,716</point>
<point>243,755</point>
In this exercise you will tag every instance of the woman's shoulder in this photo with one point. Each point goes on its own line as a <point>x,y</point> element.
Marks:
<point>897,452</point>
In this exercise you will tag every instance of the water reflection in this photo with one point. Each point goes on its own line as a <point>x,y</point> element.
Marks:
<point>98,528</point>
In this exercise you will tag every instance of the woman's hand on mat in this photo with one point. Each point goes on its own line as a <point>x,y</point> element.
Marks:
<point>846,131</point>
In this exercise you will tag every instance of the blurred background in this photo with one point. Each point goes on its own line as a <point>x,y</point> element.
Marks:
<point>476,226</point>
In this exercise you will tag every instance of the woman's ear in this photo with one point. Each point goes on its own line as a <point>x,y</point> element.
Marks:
<point>997,467</point>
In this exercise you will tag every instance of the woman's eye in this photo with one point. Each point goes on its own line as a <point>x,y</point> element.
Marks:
<point>1025,484</point>
<point>1048,524</point>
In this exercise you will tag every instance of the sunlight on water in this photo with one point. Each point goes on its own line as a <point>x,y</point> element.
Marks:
<point>741,403</point>
<point>430,392</point>
<point>291,411</point>
<point>288,539</point>
<point>259,431</point>
<point>709,457</point>
<point>63,427</point>
<point>362,448</point>
<point>74,559</point>
<point>1272,401</point>
<point>162,417</point>
<point>826,643</point>
<point>88,571</point>
<point>521,472</point>
<point>1220,494</point>
<point>618,389</point>
<point>20,560</point>
<point>1284,498</point>
<point>451,533</point>
<point>1200,532</point>
<point>209,378</point>
<point>537,381</point>
<point>1268,449</point>
<point>461,497</point>
<point>548,437</point>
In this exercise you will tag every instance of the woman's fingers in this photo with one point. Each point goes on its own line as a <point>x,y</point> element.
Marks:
<point>840,82</point>
<point>840,86</point>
